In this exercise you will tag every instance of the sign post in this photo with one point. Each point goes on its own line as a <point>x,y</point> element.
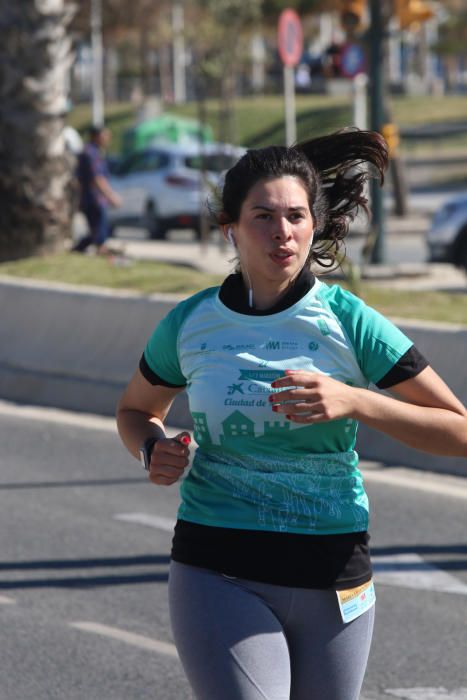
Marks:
<point>290,45</point>
<point>376,61</point>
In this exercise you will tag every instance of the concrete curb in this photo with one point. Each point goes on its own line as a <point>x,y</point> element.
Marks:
<point>75,348</point>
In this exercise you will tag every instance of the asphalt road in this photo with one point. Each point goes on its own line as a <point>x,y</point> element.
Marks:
<point>404,247</point>
<point>85,541</point>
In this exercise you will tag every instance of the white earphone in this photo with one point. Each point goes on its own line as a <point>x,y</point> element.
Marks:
<point>230,236</point>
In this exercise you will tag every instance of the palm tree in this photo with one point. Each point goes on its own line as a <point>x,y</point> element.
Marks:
<point>35,172</point>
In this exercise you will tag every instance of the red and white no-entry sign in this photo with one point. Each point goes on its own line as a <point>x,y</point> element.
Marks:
<point>290,45</point>
<point>289,37</point>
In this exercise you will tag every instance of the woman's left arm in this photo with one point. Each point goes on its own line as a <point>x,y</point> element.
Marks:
<point>428,417</point>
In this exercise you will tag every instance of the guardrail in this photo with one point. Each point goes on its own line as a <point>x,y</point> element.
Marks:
<point>75,348</point>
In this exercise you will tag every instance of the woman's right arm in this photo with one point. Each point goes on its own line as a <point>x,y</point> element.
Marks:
<point>141,412</point>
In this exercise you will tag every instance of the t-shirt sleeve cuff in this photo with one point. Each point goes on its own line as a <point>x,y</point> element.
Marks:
<point>154,378</point>
<point>409,365</point>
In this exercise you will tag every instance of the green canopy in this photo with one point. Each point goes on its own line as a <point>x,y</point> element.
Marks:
<point>166,128</point>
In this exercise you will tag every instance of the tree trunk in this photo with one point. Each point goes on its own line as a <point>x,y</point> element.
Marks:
<point>36,170</point>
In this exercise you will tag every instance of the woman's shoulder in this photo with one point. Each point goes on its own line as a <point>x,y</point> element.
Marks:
<point>352,311</point>
<point>185,306</point>
<point>340,299</point>
<point>170,325</point>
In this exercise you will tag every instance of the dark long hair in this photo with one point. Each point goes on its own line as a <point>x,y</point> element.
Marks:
<point>334,170</point>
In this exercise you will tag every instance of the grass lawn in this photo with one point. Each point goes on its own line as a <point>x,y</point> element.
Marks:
<point>445,307</point>
<point>139,276</point>
<point>152,277</point>
<point>260,120</point>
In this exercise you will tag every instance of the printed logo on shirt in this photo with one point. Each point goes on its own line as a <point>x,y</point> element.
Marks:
<point>260,375</point>
<point>250,388</point>
<point>233,388</point>
<point>323,326</point>
<point>237,425</point>
<point>239,347</point>
<point>313,346</point>
<point>280,345</point>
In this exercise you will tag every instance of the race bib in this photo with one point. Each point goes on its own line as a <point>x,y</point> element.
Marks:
<point>353,602</point>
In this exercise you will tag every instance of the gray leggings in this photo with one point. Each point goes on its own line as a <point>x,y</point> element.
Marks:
<point>241,640</point>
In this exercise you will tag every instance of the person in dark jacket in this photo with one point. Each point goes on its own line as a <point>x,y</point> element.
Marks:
<point>95,192</point>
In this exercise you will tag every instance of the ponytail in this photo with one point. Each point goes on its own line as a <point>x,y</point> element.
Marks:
<point>341,161</point>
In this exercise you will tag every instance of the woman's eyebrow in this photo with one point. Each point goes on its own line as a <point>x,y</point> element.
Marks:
<point>272,209</point>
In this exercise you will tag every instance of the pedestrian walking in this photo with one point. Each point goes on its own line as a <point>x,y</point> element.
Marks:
<point>270,587</point>
<point>95,191</point>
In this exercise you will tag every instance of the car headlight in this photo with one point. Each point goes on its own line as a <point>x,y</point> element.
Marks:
<point>445,213</point>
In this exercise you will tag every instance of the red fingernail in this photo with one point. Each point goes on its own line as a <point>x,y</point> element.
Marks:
<point>275,408</point>
<point>185,440</point>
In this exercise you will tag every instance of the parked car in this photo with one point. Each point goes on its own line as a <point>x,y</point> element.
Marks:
<point>163,187</point>
<point>447,236</point>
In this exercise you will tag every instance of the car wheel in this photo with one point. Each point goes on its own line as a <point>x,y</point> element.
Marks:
<point>152,222</point>
<point>461,250</point>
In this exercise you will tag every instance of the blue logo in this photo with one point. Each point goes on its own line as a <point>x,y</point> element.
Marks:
<point>233,388</point>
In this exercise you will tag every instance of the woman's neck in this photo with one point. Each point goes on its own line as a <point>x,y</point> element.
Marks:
<point>262,297</point>
<point>234,294</point>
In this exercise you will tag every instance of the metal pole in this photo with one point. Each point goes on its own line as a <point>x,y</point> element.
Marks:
<point>359,93</point>
<point>178,47</point>
<point>289,98</point>
<point>376,56</point>
<point>97,64</point>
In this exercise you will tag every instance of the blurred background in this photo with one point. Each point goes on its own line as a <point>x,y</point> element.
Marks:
<point>186,85</point>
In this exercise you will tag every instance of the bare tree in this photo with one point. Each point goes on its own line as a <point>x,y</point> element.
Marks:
<point>35,172</point>
<point>138,30</point>
<point>452,38</point>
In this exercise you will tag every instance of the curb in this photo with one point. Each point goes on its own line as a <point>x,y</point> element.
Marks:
<point>76,348</point>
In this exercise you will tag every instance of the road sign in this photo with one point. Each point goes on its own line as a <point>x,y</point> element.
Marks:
<point>353,60</point>
<point>289,37</point>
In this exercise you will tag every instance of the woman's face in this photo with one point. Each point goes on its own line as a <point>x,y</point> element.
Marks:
<point>274,233</point>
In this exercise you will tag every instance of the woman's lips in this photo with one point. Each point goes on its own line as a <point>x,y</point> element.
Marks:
<point>282,258</point>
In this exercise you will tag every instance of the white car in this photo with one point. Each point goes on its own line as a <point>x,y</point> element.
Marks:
<point>162,187</point>
<point>447,236</point>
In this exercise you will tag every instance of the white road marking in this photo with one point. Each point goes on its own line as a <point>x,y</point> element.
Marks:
<point>56,415</point>
<point>428,693</point>
<point>409,570</point>
<point>440,484</point>
<point>66,417</point>
<point>137,640</point>
<point>157,521</point>
<point>6,600</point>
<point>406,570</point>
<point>431,482</point>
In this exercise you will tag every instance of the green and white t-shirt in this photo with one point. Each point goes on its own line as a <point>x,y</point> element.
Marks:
<point>253,468</point>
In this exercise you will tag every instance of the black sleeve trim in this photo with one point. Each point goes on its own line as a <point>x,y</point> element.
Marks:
<point>409,365</point>
<point>154,378</point>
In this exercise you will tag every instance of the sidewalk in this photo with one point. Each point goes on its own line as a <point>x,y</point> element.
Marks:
<point>216,258</point>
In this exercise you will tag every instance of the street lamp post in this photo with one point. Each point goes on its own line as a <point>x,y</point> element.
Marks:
<point>97,64</point>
